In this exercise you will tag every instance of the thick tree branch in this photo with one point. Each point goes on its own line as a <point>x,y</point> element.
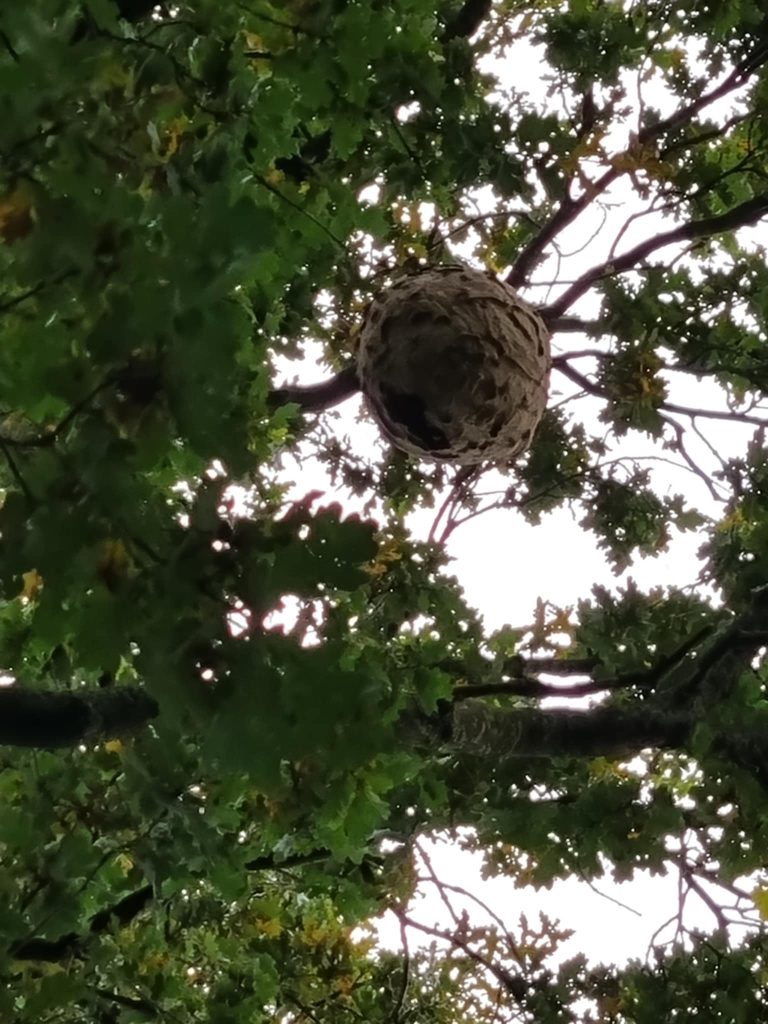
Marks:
<point>689,683</point>
<point>310,398</point>
<point>317,397</point>
<point>467,20</point>
<point>47,720</point>
<point>523,674</point>
<point>691,680</point>
<point>501,734</point>
<point>572,324</point>
<point>496,735</point>
<point>122,912</point>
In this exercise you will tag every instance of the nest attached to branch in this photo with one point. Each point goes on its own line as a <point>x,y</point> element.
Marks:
<point>455,366</point>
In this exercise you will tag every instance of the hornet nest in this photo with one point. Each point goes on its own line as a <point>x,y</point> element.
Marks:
<point>455,366</point>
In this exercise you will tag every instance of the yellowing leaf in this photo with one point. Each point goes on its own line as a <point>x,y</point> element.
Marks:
<point>414,216</point>
<point>175,132</point>
<point>344,984</point>
<point>33,584</point>
<point>153,963</point>
<point>124,862</point>
<point>114,746</point>
<point>602,768</point>
<point>418,249</point>
<point>270,926</point>
<point>561,622</point>
<point>316,934</point>
<point>760,899</point>
<point>590,146</point>
<point>388,553</point>
<point>16,219</point>
<point>254,41</point>
<point>112,75</point>
<point>733,521</point>
<point>114,563</point>
<point>641,158</point>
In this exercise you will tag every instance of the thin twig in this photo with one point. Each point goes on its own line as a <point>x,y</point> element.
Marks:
<point>16,473</point>
<point>7,304</point>
<point>513,985</point>
<point>9,46</point>
<point>607,896</point>
<point>399,1002</point>
<point>461,891</point>
<point>51,436</point>
<point>493,215</point>
<point>299,209</point>
<point>591,388</point>
<point>679,446</point>
<point>708,901</point>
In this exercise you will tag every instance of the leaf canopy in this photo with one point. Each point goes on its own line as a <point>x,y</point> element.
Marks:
<point>240,707</point>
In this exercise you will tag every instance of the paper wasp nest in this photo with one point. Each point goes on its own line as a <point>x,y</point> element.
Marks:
<point>455,366</point>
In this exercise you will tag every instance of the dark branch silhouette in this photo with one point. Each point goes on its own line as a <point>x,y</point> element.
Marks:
<point>731,416</point>
<point>47,720</point>
<point>743,215</point>
<point>570,208</point>
<point>317,397</point>
<point>121,912</point>
<point>467,20</point>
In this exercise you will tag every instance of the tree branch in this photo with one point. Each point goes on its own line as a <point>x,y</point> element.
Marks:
<point>515,986</point>
<point>525,683</point>
<point>679,446</point>
<point>142,1007</point>
<point>47,720</point>
<point>502,734</point>
<point>467,20</point>
<point>571,324</point>
<point>746,213</point>
<point>310,398</point>
<point>730,416</point>
<point>123,911</point>
<point>317,397</point>
<point>570,208</point>
<point>525,686</point>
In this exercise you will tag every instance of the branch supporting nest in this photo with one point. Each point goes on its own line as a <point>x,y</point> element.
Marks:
<point>318,397</point>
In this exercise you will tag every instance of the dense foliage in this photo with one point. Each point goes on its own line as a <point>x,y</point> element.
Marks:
<point>238,710</point>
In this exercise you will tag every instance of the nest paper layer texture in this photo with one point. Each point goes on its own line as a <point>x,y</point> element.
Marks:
<point>455,366</point>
